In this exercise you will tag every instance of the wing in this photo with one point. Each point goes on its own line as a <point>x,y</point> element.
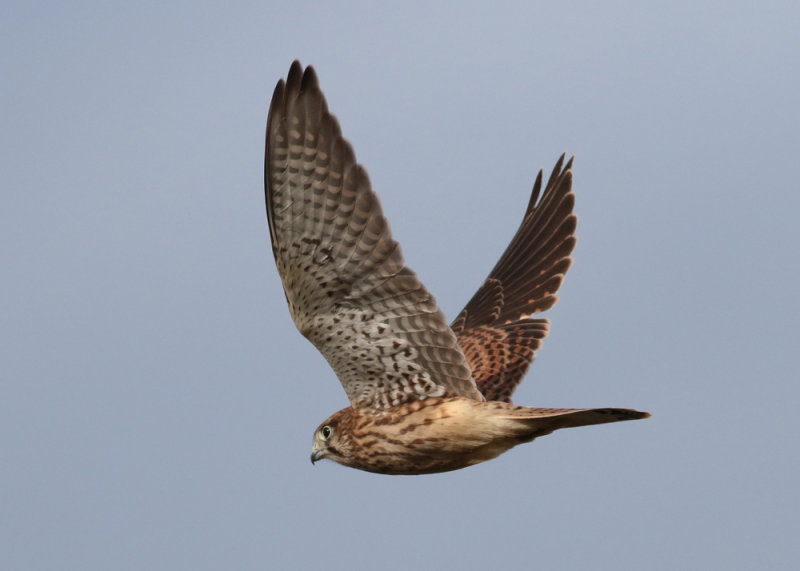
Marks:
<point>495,330</point>
<point>349,290</point>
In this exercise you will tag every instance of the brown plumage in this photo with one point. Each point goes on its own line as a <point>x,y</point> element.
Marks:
<point>495,329</point>
<point>425,397</point>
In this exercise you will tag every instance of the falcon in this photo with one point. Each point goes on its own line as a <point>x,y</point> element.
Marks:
<point>425,397</point>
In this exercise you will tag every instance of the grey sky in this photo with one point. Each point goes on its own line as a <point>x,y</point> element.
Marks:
<point>157,404</point>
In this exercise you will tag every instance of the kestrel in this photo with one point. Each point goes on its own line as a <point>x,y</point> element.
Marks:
<point>425,397</point>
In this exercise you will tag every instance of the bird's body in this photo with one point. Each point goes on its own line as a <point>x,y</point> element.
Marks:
<point>425,397</point>
<point>441,434</point>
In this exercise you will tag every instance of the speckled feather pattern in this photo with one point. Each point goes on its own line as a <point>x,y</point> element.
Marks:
<point>349,290</point>
<point>425,397</point>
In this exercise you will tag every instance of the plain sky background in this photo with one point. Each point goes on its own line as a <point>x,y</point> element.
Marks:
<point>156,402</point>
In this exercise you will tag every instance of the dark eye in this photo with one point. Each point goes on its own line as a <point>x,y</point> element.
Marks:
<point>326,432</point>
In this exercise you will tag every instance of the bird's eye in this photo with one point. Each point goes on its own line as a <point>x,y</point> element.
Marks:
<point>326,432</point>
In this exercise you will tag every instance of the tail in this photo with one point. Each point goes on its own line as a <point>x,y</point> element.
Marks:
<point>541,421</point>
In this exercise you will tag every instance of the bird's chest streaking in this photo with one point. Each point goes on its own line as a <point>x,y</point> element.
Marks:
<point>421,437</point>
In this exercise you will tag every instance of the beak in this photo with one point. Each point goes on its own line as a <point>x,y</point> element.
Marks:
<point>317,454</point>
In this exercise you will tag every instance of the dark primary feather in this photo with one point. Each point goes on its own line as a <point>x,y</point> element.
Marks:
<point>348,288</point>
<point>495,329</point>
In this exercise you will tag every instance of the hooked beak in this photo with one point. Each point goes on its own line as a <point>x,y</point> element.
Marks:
<point>317,454</point>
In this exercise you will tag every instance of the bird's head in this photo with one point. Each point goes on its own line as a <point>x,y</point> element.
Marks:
<point>331,439</point>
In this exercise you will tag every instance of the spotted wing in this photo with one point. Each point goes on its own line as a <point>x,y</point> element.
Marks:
<point>349,290</point>
<point>496,331</point>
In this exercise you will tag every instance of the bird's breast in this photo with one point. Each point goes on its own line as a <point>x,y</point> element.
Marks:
<point>434,435</point>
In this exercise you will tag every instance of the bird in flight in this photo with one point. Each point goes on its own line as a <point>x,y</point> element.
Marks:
<point>425,397</point>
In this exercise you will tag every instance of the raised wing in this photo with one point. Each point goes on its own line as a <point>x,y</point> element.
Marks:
<point>349,290</point>
<point>495,330</point>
